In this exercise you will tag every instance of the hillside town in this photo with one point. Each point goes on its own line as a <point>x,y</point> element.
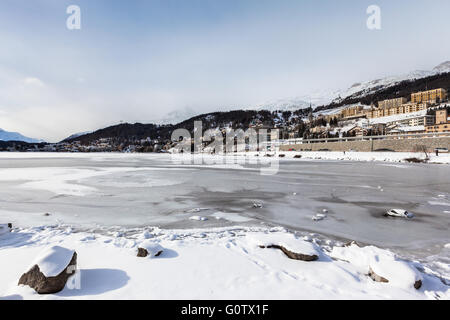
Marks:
<point>425,112</point>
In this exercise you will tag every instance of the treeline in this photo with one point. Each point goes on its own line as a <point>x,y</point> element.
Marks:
<point>126,133</point>
<point>20,145</point>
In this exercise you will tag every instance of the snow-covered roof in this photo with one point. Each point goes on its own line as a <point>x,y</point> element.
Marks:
<point>399,117</point>
<point>409,129</point>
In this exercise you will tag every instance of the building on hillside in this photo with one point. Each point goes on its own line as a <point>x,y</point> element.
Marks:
<point>396,129</point>
<point>353,112</point>
<point>391,103</point>
<point>402,109</point>
<point>435,95</point>
<point>442,123</point>
<point>358,131</point>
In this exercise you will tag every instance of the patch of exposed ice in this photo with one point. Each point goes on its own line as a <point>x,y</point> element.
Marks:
<point>439,203</point>
<point>233,217</point>
<point>196,210</point>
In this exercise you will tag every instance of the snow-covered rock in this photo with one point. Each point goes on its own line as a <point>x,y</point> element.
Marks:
<point>198,218</point>
<point>50,270</point>
<point>319,217</point>
<point>149,248</point>
<point>381,265</point>
<point>294,248</point>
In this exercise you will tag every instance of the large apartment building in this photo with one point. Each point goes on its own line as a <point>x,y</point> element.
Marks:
<point>436,95</point>
<point>391,103</point>
<point>352,112</point>
<point>402,109</point>
<point>442,123</point>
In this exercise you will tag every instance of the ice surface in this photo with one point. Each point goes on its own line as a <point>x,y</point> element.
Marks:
<point>220,263</point>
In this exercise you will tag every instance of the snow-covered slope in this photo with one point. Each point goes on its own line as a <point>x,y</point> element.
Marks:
<point>178,116</point>
<point>300,102</point>
<point>76,135</point>
<point>365,88</point>
<point>15,136</point>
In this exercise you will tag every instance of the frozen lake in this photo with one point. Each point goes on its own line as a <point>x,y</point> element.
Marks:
<point>89,190</point>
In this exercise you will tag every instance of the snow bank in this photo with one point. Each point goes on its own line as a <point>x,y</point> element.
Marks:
<point>367,156</point>
<point>383,263</point>
<point>52,261</point>
<point>221,263</point>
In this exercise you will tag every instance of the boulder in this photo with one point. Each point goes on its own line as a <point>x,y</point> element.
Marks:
<point>50,272</point>
<point>149,248</point>
<point>142,253</point>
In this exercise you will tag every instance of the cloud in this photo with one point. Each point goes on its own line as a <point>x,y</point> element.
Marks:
<point>32,81</point>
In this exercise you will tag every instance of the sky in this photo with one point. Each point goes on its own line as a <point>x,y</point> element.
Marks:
<point>139,60</point>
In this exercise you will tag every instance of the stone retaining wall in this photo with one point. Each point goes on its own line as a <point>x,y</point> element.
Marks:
<point>399,145</point>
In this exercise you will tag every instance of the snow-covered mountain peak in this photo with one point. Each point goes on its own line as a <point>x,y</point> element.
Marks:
<point>15,136</point>
<point>443,67</point>
<point>357,89</point>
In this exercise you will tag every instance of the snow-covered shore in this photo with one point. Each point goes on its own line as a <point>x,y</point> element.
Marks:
<point>221,263</point>
<point>443,158</point>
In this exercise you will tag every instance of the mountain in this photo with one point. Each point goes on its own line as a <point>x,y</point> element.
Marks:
<point>76,135</point>
<point>15,136</point>
<point>177,116</point>
<point>292,110</point>
<point>442,68</point>
<point>126,133</point>
<point>357,90</point>
<point>396,89</point>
